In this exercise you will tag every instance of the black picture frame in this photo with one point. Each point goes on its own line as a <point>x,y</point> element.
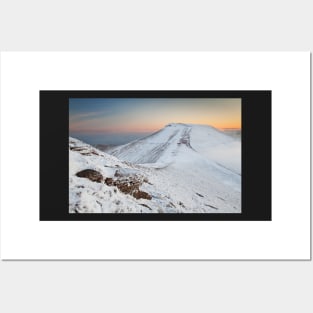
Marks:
<point>256,156</point>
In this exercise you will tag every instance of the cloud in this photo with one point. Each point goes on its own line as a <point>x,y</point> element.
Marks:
<point>75,117</point>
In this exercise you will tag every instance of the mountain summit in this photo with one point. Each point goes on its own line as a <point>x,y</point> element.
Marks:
<point>177,140</point>
<point>182,168</point>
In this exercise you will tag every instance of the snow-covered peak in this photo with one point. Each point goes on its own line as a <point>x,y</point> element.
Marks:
<point>183,125</point>
<point>181,168</point>
<point>175,125</point>
<point>177,140</point>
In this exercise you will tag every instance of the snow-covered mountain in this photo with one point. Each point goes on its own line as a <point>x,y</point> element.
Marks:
<point>182,168</point>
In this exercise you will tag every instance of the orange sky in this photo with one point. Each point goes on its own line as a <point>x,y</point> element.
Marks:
<point>122,115</point>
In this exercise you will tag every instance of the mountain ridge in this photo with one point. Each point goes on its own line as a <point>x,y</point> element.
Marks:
<point>160,145</point>
<point>182,168</point>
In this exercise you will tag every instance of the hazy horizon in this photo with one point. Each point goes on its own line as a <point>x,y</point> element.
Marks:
<point>109,138</point>
<point>117,121</point>
<point>119,138</point>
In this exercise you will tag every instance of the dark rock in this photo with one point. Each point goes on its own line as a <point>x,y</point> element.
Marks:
<point>199,194</point>
<point>109,181</point>
<point>211,206</point>
<point>145,206</point>
<point>181,204</point>
<point>129,186</point>
<point>138,194</point>
<point>117,174</point>
<point>91,175</point>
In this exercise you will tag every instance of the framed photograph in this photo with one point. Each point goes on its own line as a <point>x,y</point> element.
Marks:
<point>155,156</point>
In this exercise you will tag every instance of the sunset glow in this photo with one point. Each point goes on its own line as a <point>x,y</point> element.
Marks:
<point>143,115</point>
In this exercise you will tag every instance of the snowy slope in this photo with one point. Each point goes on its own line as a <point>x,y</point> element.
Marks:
<point>183,168</point>
<point>86,196</point>
<point>164,145</point>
